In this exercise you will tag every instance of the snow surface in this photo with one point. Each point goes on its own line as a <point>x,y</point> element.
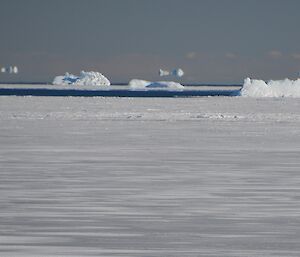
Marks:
<point>90,78</point>
<point>144,84</point>
<point>273,88</point>
<point>174,177</point>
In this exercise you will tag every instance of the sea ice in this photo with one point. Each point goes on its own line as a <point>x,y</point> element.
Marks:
<point>135,176</point>
<point>272,88</point>
<point>144,84</point>
<point>90,78</point>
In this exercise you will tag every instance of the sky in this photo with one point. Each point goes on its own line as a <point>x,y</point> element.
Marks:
<point>213,41</point>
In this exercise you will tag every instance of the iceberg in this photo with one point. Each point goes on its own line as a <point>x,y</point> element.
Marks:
<point>272,88</point>
<point>10,70</point>
<point>176,72</point>
<point>144,84</point>
<point>90,78</point>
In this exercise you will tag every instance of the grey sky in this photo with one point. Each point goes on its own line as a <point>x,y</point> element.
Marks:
<point>213,41</point>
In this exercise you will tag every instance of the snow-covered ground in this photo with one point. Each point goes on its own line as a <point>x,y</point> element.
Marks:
<point>174,177</point>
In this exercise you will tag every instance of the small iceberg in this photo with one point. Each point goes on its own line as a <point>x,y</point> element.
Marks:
<point>176,72</point>
<point>90,78</point>
<point>272,88</point>
<point>144,84</point>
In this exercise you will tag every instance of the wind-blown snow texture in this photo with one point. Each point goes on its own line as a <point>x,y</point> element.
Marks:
<point>273,88</point>
<point>90,78</point>
<point>149,177</point>
<point>144,84</point>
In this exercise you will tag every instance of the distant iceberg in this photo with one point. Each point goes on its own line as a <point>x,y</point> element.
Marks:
<point>176,72</point>
<point>90,78</point>
<point>273,88</point>
<point>144,84</point>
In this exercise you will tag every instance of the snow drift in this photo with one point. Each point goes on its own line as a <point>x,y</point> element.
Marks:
<point>273,88</point>
<point>90,78</point>
<point>144,84</point>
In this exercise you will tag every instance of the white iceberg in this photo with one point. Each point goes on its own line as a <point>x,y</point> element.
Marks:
<point>10,70</point>
<point>176,72</point>
<point>90,78</point>
<point>144,84</point>
<point>272,88</point>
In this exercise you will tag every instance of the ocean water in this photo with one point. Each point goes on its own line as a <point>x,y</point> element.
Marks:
<point>116,91</point>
